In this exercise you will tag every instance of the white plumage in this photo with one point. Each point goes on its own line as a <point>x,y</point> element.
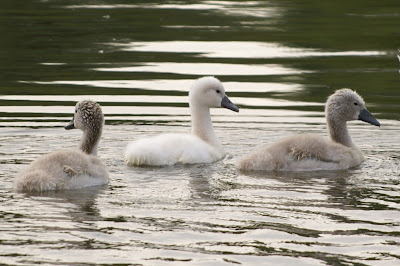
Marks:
<point>172,148</point>
<point>201,146</point>
<point>308,152</point>
<point>70,168</point>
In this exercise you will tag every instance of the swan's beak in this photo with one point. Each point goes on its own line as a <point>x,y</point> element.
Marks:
<point>70,125</point>
<point>226,103</point>
<point>366,116</point>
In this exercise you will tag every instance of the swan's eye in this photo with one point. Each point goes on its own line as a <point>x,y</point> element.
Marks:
<point>76,110</point>
<point>355,103</point>
<point>218,91</point>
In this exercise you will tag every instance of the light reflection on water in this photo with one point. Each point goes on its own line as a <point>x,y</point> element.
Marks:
<point>200,214</point>
<point>248,8</point>
<point>235,49</point>
<point>176,85</point>
<point>206,69</point>
<point>248,101</point>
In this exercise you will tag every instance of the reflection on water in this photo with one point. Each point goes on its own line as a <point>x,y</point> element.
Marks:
<point>248,8</point>
<point>235,49</point>
<point>278,62</point>
<point>80,204</point>
<point>206,69</point>
<point>177,85</point>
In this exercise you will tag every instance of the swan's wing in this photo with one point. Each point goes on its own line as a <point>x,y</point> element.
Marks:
<point>69,170</point>
<point>316,152</point>
<point>310,146</point>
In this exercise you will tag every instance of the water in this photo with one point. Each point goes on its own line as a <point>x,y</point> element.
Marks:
<point>278,61</point>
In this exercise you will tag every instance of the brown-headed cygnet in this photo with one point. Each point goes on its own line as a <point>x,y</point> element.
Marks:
<point>70,168</point>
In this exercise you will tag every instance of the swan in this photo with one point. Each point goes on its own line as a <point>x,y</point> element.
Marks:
<point>70,168</point>
<point>308,152</point>
<point>201,146</point>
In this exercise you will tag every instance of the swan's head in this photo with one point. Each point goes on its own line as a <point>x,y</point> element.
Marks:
<point>347,105</point>
<point>209,92</point>
<point>88,116</point>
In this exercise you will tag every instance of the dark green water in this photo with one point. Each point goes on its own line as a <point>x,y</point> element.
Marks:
<point>278,61</point>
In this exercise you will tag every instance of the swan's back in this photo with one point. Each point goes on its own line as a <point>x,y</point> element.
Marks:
<point>171,148</point>
<point>63,169</point>
<point>304,152</point>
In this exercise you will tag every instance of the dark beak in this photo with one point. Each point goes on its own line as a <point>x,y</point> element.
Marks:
<point>366,116</point>
<point>226,103</point>
<point>70,125</point>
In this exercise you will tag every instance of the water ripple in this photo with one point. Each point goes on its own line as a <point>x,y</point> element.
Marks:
<point>216,49</point>
<point>201,69</point>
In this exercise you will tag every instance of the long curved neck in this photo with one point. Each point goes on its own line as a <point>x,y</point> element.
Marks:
<point>339,132</point>
<point>90,141</point>
<point>202,124</point>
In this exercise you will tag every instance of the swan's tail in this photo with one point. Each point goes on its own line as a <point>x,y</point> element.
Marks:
<point>35,180</point>
<point>141,153</point>
<point>261,160</point>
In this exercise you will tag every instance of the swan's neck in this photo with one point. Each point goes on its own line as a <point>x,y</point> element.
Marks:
<point>202,125</point>
<point>339,132</point>
<point>90,141</point>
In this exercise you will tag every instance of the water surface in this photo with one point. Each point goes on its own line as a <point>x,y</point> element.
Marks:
<point>278,61</point>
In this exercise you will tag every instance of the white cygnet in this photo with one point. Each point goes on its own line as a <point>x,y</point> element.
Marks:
<point>201,146</point>
<point>308,152</point>
<point>70,168</point>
